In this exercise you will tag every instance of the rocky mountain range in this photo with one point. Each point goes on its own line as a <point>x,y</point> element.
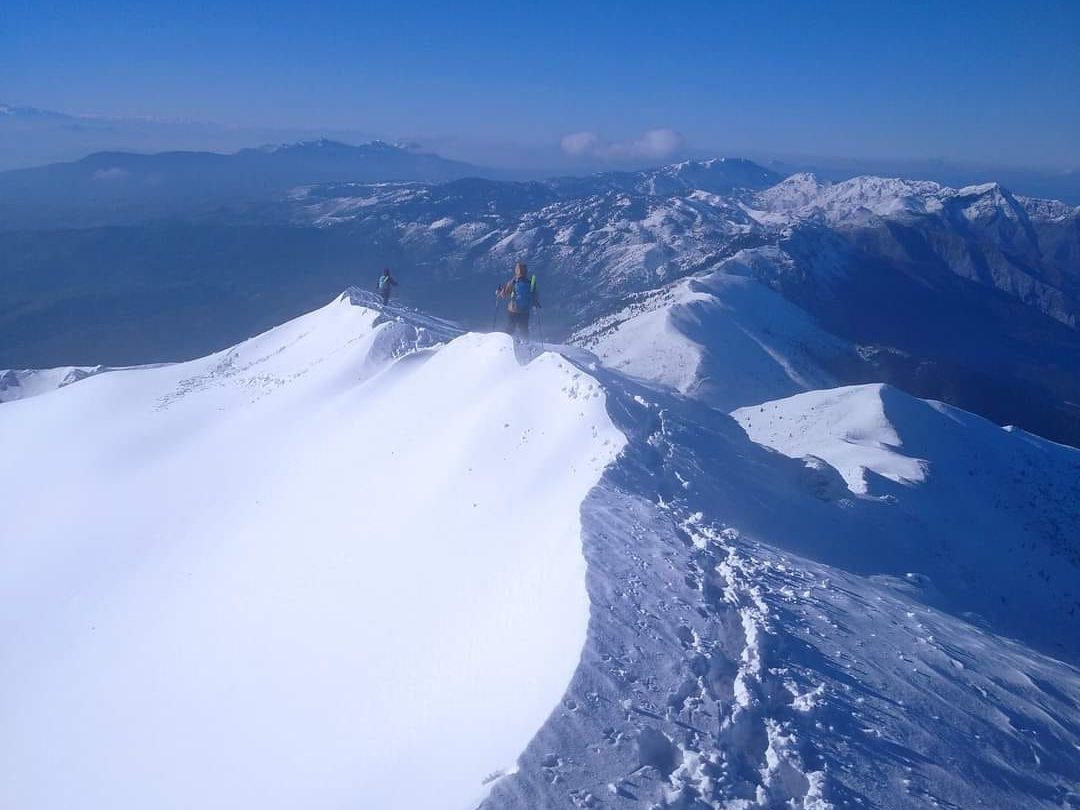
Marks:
<point>968,295</point>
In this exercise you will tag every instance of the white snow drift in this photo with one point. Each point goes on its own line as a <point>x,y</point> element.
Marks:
<point>332,566</point>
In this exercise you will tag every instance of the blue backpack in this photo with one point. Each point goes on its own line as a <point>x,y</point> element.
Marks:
<point>384,282</point>
<point>522,294</point>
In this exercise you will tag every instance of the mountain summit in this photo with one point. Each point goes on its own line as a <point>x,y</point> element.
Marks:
<point>367,539</point>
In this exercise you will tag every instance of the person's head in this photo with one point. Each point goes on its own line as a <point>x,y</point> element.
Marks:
<point>519,270</point>
<point>386,271</point>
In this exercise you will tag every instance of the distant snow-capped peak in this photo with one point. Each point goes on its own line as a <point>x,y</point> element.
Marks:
<point>716,175</point>
<point>804,195</point>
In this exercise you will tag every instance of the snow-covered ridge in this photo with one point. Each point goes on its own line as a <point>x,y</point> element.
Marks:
<point>365,543</point>
<point>420,331</point>
<point>722,337</point>
<point>338,552</point>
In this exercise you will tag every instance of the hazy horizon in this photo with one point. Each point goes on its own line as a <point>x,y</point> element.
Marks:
<point>981,84</point>
<point>218,136</point>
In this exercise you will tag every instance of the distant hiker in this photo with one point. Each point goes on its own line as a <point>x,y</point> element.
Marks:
<point>521,290</point>
<point>386,281</point>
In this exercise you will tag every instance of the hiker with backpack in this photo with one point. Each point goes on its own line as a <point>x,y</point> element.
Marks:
<point>523,296</point>
<point>386,281</point>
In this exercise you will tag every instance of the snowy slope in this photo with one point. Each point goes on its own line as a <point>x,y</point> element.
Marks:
<point>337,565</point>
<point>722,337</point>
<point>848,428</point>
<point>341,564</point>
<point>1004,503</point>
<point>763,637</point>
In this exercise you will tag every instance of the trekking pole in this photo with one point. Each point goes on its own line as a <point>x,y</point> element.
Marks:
<point>540,326</point>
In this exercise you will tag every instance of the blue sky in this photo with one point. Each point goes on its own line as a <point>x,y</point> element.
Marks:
<point>989,81</point>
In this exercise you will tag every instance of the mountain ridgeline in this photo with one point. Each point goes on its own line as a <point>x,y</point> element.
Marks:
<point>120,188</point>
<point>970,295</point>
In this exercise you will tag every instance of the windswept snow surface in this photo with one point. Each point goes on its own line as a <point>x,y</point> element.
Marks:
<point>337,565</point>
<point>763,637</point>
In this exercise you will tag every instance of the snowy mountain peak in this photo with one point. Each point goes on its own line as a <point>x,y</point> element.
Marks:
<point>805,196</point>
<point>716,175</point>
<point>794,192</point>
<point>807,180</point>
<point>979,189</point>
<point>986,195</point>
<point>991,200</point>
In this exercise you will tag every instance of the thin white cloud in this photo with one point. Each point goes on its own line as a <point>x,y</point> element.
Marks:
<point>655,144</point>
<point>579,143</point>
<point>658,143</point>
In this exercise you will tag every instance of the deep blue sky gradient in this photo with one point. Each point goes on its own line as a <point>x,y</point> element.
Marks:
<point>988,81</point>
